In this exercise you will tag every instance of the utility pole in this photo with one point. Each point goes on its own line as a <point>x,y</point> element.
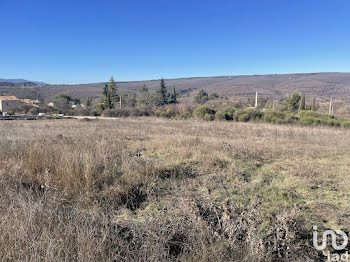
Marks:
<point>256,99</point>
<point>330,107</point>
<point>120,102</point>
<point>273,105</point>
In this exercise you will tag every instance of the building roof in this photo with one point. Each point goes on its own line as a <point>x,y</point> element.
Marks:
<point>8,98</point>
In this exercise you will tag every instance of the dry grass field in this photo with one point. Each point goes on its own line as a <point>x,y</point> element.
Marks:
<point>156,190</point>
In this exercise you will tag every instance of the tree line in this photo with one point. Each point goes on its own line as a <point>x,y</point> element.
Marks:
<point>111,99</point>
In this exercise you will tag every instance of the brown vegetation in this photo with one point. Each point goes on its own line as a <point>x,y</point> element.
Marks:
<point>155,190</point>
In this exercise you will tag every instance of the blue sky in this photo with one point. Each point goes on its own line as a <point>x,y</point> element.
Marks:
<point>82,41</point>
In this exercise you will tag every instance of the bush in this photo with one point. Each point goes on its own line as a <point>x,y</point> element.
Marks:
<point>311,114</point>
<point>201,111</point>
<point>271,116</point>
<point>209,117</point>
<point>220,115</point>
<point>314,118</point>
<point>158,113</point>
<point>170,112</point>
<point>141,111</point>
<point>307,121</point>
<point>116,113</point>
<point>225,113</point>
<point>345,124</point>
<point>333,122</point>
<point>185,115</point>
<point>290,118</point>
<point>245,115</point>
<point>129,111</point>
<point>34,111</point>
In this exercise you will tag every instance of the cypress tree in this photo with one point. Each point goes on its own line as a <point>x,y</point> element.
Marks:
<point>302,103</point>
<point>313,108</point>
<point>105,101</point>
<point>173,99</point>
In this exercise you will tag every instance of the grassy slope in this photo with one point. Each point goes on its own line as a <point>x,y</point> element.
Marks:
<point>152,189</point>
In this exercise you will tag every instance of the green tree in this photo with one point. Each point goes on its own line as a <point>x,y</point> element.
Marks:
<point>202,97</point>
<point>129,99</point>
<point>110,97</point>
<point>161,96</point>
<point>144,89</point>
<point>214,96</point>
<point>105,102</point>
<point>173,97</point>
<point>62,103</point>
<point>112,93</point>
<point>302,103</point>
<point>313,107</point>
<point>144,97</point>
<point>292,103</point>
<point>88,102</point>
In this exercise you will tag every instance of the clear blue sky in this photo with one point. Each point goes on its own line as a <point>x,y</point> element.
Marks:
<point>82,41</point>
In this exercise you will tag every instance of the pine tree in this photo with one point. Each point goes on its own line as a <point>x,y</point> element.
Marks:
<point>313,108</point>
<point>105,100</point>
<point>162,94</point>
<point>144,97</point>
<point>173,97</point>
<point>109,96</point>
<point>88,102</point>
<point>302,103</point>
<point>292,103</point>
<point>144,89</point>
<point>112,93</point>
<point>201,97</point>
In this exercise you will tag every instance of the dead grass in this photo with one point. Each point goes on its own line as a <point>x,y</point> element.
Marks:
<point>156,190</point>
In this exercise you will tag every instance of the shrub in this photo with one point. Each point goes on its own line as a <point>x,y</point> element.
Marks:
<point>169,113</point>
<point>129,111</point>
<point>290,118</point>
<point>307,121</point>
<point>314,118</point>
<point>245,115</point>
<point>201,111</point>
<point>345,124</point>
<point>115,113</point>
<point>271,116</point>
<point>220,115</point>
<point>311,114</point>
<point>333,122</point>
<point>209,117</point>
<point>158,113</point>
<point>225,113</point>
<point>185,115</point>
<point>34,111</point>
<point>140,111</point>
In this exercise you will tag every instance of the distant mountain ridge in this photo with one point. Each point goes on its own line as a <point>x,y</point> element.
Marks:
<point>20,81</point>
<point>277,86</point>
<point>323,86</point>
